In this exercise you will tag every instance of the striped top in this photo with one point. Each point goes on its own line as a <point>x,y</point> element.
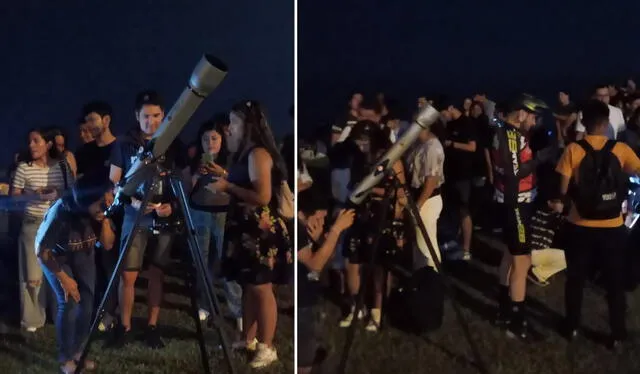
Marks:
<point>30,177</point>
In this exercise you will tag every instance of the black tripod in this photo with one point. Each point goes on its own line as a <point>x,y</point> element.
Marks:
<point>200,269</point>
<point>415,214</point>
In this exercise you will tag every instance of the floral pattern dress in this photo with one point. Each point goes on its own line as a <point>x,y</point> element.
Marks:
<point>258,246</point>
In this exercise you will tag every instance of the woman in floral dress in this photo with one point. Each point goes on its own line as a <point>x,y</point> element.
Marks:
<point>259,250</point>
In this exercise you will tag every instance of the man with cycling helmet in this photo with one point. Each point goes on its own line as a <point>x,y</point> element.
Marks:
<point>514,168</point>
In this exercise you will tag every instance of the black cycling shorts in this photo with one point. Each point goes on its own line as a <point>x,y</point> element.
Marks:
<point>516,231</point>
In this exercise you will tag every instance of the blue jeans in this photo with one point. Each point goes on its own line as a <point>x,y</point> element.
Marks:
<point>210,229</point>
<point>73,320</point>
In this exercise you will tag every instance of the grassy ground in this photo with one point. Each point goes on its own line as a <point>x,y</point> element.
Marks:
<point>447,351</point>
<point>35,353</point>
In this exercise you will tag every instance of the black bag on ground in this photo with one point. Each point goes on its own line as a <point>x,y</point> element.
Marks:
<point>417,306</point>
<point>602,184</point>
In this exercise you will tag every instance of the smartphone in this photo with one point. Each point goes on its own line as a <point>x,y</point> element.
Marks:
<point>207,158</point>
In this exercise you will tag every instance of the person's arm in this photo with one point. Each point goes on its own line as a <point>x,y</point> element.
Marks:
<point>260,164</point>
<point>467,147</point>
<point>630,161</point>
<point>49,233</point>
<point>565,169</point>
<point>489,165</point>
<point>47,238</point>
<point>18,182</point>
<point>316,261</point>
<point>116,160</point>
<point>73,165</point>
<point>434,167</point>
<point>580,129</point>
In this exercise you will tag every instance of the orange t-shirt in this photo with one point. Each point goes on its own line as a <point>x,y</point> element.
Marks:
<point>570,161</point>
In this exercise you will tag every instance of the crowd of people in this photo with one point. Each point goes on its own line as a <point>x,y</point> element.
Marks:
<point>68,249</point>
<point>555,191</point>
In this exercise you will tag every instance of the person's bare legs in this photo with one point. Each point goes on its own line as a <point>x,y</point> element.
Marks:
<point>518,277</point>
<point>466,226</point>
<point>154,292</point>
<point>267,312</point>
<point>249,315</point>
<point>127,297</point>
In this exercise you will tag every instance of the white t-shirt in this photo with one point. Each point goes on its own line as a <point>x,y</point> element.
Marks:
<point>616,121</point>
<point>30,178</point>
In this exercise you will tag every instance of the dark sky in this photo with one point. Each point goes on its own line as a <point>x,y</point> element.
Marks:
<point>57,57</point>
<point>457,47</point>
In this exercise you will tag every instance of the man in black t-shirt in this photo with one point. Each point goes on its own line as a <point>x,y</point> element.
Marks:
<point>314,251</point>
<point>460,148</point>
<point>93,159</point>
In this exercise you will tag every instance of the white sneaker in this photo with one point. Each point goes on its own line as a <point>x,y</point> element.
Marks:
<point>203,315</point>
<point>346,321</point>
<point>265,356</point>
<point>466,256</point>
<point>243,344</point>
<point>374,321</point>
<point>31,329</point>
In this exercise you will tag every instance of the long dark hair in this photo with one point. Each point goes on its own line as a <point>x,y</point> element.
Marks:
<point>258,133</point>
<point>217,123</point>
<point>49,135</point>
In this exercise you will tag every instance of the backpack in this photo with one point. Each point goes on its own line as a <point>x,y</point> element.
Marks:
<point>602,185</point>
<point>417,306</point>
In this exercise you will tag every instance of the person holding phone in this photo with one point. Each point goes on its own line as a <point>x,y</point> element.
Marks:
<point>39,180</point>
<point>209,207</point>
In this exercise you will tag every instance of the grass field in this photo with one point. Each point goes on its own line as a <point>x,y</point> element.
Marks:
<point>35,353</point>
<point>447,351</point>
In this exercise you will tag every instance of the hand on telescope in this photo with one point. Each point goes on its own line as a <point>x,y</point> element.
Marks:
<point>344,220</point>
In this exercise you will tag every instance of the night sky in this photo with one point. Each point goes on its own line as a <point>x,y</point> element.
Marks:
<point>57,57</point>
<point>458,47</point>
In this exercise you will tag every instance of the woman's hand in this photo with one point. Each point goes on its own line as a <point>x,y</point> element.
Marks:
<point>315,227</point>
<point>70,287</point>
<point>213,168</point>
<point>220,185</point>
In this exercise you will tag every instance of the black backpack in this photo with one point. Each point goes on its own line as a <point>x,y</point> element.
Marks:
<point>417,306</point>
<point>602,185</point>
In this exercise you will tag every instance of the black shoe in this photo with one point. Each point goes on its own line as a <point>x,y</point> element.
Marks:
<point>523,331</point>
<point>502,320</point>
<point>152,338</point>
<point>120,338</point>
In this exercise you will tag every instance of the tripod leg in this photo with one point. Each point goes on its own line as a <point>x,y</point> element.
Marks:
<point>112,281</point>
<point>351,333</point>
<point>190,282</point>
<point>201,269</point>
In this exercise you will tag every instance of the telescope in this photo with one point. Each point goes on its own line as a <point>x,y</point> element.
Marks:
<point>206,76</point>
<point>427,116</point>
